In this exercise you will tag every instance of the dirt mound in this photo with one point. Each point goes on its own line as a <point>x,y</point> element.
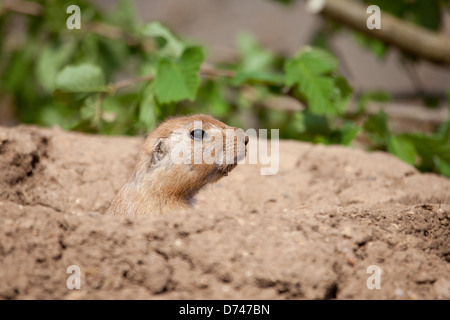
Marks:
<point>311,231</point>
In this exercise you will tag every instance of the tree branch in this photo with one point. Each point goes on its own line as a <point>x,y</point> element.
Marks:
<point>23,7</point>
<point>406,36</point>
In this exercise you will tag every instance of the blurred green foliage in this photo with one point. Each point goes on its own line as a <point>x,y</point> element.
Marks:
<point>117,76</point>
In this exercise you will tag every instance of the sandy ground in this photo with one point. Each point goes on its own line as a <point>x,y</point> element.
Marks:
<point>309,232</point>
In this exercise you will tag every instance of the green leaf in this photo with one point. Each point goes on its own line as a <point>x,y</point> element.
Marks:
<point>17,72</point>
<point>147,108</point>
<point>310,70</point>
<point>316,124</point>
<point>377,128</point>
<point>87,111</point>
<point>378,48</point>
<point>343,94</point>
<point>171,46</point>
<point>243,102</point>
<point>177,80</point>
<point>50,62</point>
<point>257,77</point>
<point>442,166</point>
<point>443,131</point>
<point>315,61</point>
<point>433,151</point>
<point>57,113</point>
<point>113,55</point>
<point>124,16</point>
<point>254,58</point>
<point>112,110</point>
<point>430,146</point>
<point>298,123</point>
<point>212,93</point>
<point>348,133</point>
<point>403,148</point>
<point>81,78</point>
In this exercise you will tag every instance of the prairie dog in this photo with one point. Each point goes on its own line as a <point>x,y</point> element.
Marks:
<point>178,158</point>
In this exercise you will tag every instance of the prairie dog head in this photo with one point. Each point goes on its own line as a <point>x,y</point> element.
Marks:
<point>190,152</point>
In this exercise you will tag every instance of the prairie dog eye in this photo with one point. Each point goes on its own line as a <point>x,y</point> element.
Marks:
<point>197,134</point>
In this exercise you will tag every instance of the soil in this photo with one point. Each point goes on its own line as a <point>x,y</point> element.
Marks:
<point>310,232</point>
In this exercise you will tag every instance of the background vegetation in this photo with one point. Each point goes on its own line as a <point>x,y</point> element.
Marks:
<point>118,76</point>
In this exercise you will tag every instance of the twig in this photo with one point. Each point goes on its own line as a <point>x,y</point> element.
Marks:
<point>128,82</point>
<point>114,33</point>
<point>206,70</point>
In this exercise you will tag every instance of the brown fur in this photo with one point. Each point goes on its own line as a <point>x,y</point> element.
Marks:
<point>158,185</point>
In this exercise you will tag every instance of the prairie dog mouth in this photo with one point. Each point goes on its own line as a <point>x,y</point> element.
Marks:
<point>225,169</point>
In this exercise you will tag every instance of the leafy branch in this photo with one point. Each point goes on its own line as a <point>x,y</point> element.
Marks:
<point>116,76</point>
<point>206,70</point>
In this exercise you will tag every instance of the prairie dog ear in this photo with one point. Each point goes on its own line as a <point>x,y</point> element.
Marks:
<point>159,151</point>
